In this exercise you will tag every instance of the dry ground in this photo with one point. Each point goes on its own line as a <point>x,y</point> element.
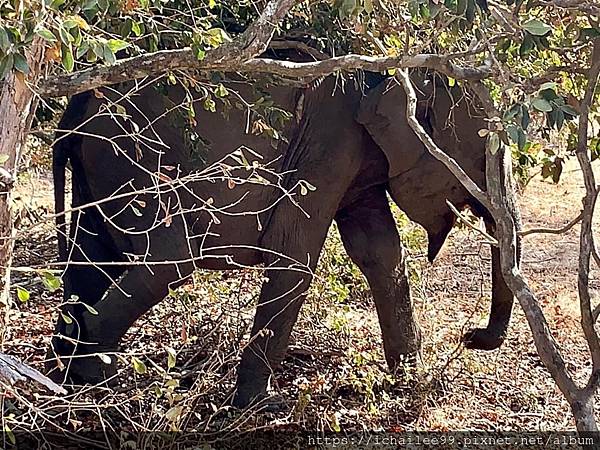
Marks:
<point>334,378</point>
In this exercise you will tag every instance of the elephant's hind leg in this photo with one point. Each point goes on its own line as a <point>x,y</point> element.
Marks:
<point>138,290</point>
<point>370,237</point>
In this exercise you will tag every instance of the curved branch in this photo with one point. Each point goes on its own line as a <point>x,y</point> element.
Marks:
<point>562,230</point>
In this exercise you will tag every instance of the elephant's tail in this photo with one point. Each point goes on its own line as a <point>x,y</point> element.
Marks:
<point>60,157</point>
<point>66,142</point>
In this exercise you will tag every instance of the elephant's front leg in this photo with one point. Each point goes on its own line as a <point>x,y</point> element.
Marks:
<point>369,234</point>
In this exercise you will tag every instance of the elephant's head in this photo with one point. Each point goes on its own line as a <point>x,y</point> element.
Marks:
<point>420,184</point>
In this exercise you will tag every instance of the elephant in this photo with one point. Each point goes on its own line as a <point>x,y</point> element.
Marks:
<point>153,200</point>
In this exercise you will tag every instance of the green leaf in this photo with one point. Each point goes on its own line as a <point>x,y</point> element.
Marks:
<point>67,58</point>
<point>560,119</point>
<point>200,53</point>
<point>171,357</point>
<point>138,365</point>
<point>210,105</point>
<point>21,63</point>
<point>4,41</point>
<point>46,34</point>
<point>10,435</point>
<point>521,138</point>
<point>70,23</point>
<point>121,111</point>
<point>548,85</point>
<point>527,45</point>
<point>51,282</point>
<point>525,118</point>
<point>221,91</point>
<point>91,56</point>
<point>57,4</point>
<point>90,309</point>
<point>541,104</point>
<point>536,27</point>
<point>67,319</point>
<point>108,55</point>
<point>513,133</point>
<point>65,36</point>
<point>173,414</point>
<point>568,109</point>
<point>3,159</point>
<point>512,112</point>
<point>117,45</point>
<point>22,294</point>
<point>82,50</point>
<point>6,65</point>
<point>136,28</point>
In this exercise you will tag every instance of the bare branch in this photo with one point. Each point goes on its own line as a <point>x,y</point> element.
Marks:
<point>586,243</point>
<point>184,59</point>
<point>584,6</point>
<point>13,371</point>
<point>562,230</point>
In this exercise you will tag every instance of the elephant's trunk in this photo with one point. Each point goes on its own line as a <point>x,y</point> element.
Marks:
<point>493,335</point>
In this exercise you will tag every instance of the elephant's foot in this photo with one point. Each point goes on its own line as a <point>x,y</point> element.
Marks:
<point>404,366</point>
<point>81,366</point>
<point>402,354</point>
<point>257,398</point>
<point>483,339</point>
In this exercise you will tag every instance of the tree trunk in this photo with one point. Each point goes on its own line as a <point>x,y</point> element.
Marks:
<point>17,107</point>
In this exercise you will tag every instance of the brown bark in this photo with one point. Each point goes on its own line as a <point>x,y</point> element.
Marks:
<point>157,63</point>
<point>17,106</point>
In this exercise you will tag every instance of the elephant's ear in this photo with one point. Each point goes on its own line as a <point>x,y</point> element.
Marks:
<point>382,112</point>
<point>418,183</point>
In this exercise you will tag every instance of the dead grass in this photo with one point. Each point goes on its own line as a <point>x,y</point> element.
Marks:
<point>335,375</point>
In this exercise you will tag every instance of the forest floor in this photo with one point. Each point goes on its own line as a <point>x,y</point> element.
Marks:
<point>334,377</point>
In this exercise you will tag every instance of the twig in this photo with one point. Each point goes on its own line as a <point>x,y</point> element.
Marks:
<point>300,46</point>
<point>489,239</point>
<point>562,230</point>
